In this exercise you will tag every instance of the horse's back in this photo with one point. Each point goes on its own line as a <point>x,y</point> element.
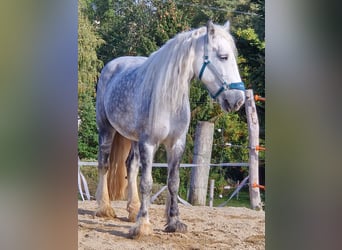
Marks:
<point>116,66</point>
<point>112,68</point>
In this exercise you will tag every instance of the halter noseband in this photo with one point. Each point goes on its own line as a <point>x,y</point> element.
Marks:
<point>225,85</point>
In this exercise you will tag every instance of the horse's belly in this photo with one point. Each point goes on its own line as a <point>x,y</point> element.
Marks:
<point>122,120</point>
<point>131,134</point>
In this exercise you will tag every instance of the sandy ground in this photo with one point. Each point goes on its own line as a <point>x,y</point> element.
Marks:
<point>208,228</point>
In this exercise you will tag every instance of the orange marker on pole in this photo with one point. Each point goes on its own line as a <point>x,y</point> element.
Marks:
<point>259,148</point>
<point>259,98</point>
<point>258,186</point>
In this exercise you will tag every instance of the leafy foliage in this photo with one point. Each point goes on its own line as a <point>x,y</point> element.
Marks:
<point>88,72</point>
<point>87,134</point>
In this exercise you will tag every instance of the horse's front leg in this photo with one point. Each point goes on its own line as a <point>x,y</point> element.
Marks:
<point>143,225</point>
<point>132,164</point>
<point>174,155</point>
<point>102,196</point>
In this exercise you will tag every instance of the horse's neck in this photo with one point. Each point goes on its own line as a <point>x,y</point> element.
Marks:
<point>183,90</point>
<point>187,73</point>
<point>170,91</point>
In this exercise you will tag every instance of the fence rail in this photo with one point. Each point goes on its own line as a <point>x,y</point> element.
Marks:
<point>82,180</point>
<point>182,165</point>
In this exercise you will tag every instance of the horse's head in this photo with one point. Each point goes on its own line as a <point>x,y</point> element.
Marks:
<point>216,67</point>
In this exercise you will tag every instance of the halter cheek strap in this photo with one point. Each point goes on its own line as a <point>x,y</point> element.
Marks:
<point>225,85</point>
<point>204,65</point>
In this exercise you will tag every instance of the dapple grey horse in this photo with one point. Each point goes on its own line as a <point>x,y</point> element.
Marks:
<point>146,100</point>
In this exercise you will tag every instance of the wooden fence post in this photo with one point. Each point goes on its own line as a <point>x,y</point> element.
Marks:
<point>253,131</point>
<point>202,155</point>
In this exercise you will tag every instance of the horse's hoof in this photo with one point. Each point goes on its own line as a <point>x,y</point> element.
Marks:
<point>106,212</point>
<point>178,227</point>
<point>141,230</point>
<point>132,217</point>
<point>133,211</point>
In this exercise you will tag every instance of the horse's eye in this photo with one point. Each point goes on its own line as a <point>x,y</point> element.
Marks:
<point>223,57</point>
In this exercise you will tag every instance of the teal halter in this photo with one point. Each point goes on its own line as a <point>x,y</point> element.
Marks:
<point>225,85</point>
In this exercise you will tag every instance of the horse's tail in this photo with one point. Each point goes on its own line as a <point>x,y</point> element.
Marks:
<point>117,172</point>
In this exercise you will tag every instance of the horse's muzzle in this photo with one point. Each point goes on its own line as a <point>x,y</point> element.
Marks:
<point>232,104</point>
<point>238,104</point>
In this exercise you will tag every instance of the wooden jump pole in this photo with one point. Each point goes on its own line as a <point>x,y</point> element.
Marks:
<point>253,131</point>
<point>202,155</point>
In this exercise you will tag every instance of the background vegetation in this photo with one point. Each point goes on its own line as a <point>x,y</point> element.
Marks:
<point>113,28</point>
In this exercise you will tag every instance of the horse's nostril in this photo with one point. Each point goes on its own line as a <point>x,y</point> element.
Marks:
<point>227,106</point>
<point>238,104</point>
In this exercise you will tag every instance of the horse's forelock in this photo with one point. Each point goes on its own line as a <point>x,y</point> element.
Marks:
<point>223,32</point>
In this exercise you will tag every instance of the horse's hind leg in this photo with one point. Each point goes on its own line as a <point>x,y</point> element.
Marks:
<point>143,225</point>
<point>102,197</point>
<point>132,164</point>
<point>174,155</point>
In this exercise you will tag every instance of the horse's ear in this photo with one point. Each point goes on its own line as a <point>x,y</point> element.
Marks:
<point>210,28</point>
<point>227,26</point>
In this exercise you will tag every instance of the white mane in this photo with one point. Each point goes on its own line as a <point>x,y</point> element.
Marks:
<point>168,71</point>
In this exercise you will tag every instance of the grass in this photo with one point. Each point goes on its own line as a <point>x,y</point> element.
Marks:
<point>241,201</point>
<point>90,174</point>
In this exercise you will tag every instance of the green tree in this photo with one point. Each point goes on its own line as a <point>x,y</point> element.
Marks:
<point>125,26</point>
<point>88,72</point>
<point>168,20</point>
